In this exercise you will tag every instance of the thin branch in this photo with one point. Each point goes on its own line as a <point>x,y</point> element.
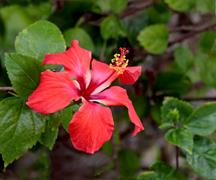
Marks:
<point>6,89</point>
<point>177,157</point>
<point>199,98</point>
<point>137,6</point>
<point>196,31</point>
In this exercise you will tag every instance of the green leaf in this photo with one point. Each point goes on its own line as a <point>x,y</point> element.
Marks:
<point>101,6</point>
<point>180,137</point>
<point>129,163</point>
<point>163,170</point>
<point>15,19</point>
<point>203,120</point>
<point>207,41</point>
<point>175,111</point>
<point>24,73</point>
<point>111,28</point>
<point>207,67</point>
<point>38,39</point>
<point>205,6</point>
<point>66,115</point>
<point>154,38</point>
<point>180,5</point>
<point>20,128</point>
<point>117,6</point>
<point>132,26</point>
<point>148,175</point>
<point>166,83</point>
<point>183,58</point>
<point>50,134</point>
<point>203,158</point>
<point>81,35</point>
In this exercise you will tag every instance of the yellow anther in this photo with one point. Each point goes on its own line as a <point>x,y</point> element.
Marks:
<point>119,62</point>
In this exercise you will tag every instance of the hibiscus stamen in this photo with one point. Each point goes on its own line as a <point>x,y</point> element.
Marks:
<point>119,62</point>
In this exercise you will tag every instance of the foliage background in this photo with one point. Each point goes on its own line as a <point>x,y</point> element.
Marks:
<point>174,42</point>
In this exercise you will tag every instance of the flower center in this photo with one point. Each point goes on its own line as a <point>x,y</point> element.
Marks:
<point>119,62</point>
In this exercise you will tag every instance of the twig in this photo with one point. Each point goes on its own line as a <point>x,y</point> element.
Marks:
<point>193,33</point>
<point>137,6</point>
<point>199,98</point>
<point>177,157</point>
<point>6,89</point>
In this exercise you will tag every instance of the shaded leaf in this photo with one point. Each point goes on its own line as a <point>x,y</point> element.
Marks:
<point>111,28</point>
<point>129,163</point>
<point>184,58</point>
<point>50,134</point>
<point>166,83</point>
<point>117,6</point>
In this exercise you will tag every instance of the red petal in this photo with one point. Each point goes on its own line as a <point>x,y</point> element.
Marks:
<point>102,76</point>
<point>55,92</point>
<point>116,96</point>
<point>76,60</point>
<point>130,75</point>
<point>91,127</point>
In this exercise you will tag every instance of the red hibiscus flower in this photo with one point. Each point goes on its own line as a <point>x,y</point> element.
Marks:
<point>92,125</point>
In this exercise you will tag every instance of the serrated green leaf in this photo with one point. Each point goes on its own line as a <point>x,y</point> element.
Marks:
<point>203,120</point>
<point>184,58</point>
<point>154,38</point>
<point>203,158</point>
<point>24,73</point>
<point>117,6</point>
<point>180,137</point>
<point>38,39</point>
<point>111,28</point>
<point>175,111</point>
<point>180,5</point>
<point>81,35</point>
<point>20,128</point>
